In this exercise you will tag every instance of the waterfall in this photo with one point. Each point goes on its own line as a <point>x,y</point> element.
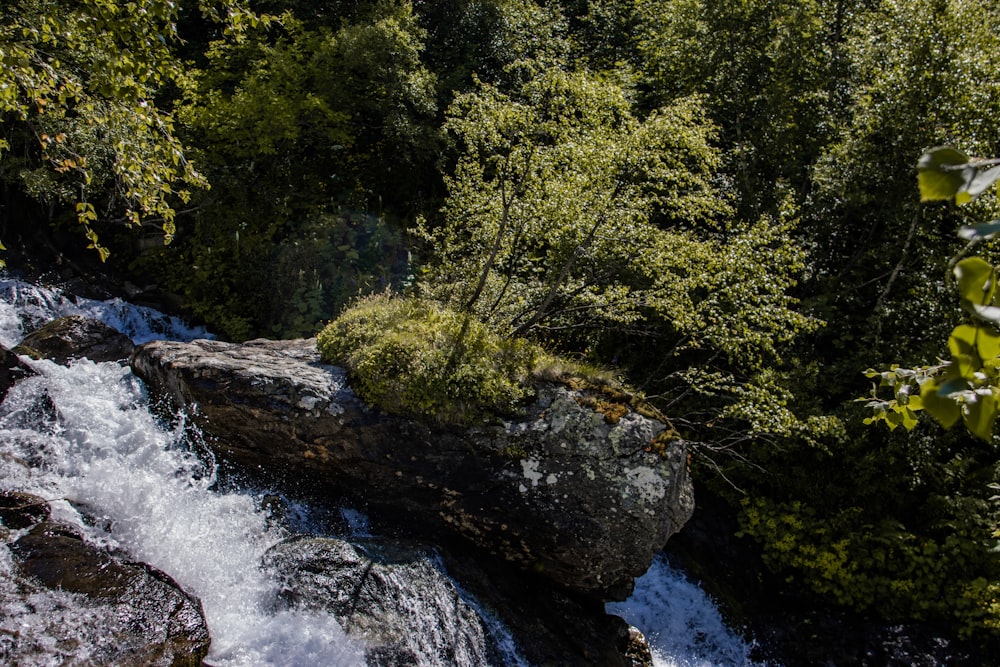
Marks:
<point>680,621</point>
<point>95,448</point>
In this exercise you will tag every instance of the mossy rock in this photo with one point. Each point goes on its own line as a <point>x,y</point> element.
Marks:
<point>415,358</point>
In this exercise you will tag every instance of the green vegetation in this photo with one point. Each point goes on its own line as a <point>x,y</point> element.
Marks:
<point>81,128</point>
<point>717,201</point>
<point>414,357</point>
<point>411,357</point>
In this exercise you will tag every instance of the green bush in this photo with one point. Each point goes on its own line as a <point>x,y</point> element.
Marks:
<point>411,357</point>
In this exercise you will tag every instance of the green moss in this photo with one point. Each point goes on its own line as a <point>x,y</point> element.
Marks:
<point>514,452</point>
<point>414,358</point>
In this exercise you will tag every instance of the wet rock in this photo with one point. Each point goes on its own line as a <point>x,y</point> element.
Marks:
<point>391,595</point>
<point>633,646</point>
<point>560,491</point>
<point>76,337</point>
<point>12,369</point>
<point>65,601</point>
<point>22,510</point>
<point>552,627</point>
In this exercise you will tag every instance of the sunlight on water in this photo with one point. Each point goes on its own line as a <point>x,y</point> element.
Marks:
<point>147,494</point>
<point>26,306</point>
<point>99,449</point>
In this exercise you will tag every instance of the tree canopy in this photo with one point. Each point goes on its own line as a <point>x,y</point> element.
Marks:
<point>79,94</point>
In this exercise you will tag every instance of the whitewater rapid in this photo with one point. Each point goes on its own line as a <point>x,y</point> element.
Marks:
<point>149,489</point>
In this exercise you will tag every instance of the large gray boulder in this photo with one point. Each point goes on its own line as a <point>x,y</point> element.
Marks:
<point>565,490</point>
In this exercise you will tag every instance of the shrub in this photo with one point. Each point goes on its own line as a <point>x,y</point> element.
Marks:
<point>412,357</point>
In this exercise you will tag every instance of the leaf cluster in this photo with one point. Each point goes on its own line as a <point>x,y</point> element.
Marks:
<point>78,97</point>
<point>964,387</point>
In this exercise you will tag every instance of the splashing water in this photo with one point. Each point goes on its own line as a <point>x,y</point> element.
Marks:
<point>681,622</point>
<point>83,437</point>
<point>145,492</point>
<point>25,307</point>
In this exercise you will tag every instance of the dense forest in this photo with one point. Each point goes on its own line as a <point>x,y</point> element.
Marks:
<point>716,200</point>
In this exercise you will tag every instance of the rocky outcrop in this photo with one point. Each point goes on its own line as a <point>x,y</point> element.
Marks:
<point>76,337</point>
<point>65,601</point>
<point>559,491</point>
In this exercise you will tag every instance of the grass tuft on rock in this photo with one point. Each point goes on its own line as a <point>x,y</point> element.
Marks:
<point>412,357</point>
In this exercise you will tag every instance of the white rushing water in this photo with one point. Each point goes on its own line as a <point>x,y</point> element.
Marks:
<point>149,494</point>
<point>680,621</point>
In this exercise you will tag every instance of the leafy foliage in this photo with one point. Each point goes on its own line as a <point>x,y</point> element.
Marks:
<point>315,138</point>
<point>574,221</point>
<point>682,189</point>
<point>964,387</point>
<point>78,91</point>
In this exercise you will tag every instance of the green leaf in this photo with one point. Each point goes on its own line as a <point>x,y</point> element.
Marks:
<point>988,313</point>
<point>964,355</point>
<point>940,173</point>
<point>975,280</point>
<point>980,415</point>
<point>909,418</point>
<point>981,232</point>
<point>963,339</point>
<point>981,180</point>
<point>987,343</point>
<point>945,410</point>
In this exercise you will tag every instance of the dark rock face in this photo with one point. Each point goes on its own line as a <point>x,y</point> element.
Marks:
<point>559,492</point>
<point>552,627</point>
<point>11,370</point>
<point>22,510</point>
<point>76,337</point>
<point>64,601</point>
<point>388,594</point>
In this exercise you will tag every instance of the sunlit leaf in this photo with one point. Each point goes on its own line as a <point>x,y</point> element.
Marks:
<point>937,402</point>
<point>980,416</point>
<point>982,180</point>
<point>962,341</point>
<point>987,343</point>
<point>939,173</point>
<point>909,420</point>
<point>989,313</point>
<point>975,280</point>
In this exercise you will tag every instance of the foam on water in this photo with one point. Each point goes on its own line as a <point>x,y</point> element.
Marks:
<point>94,446</point>
<point>24,307</point>
<point>145,492</point>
